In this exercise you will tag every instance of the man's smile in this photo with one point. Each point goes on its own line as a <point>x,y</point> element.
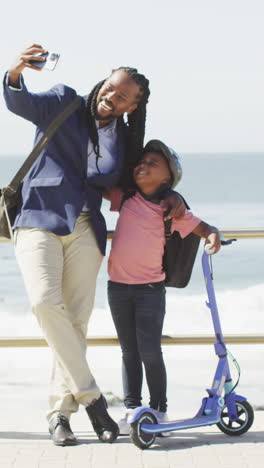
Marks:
<point>106,106</point>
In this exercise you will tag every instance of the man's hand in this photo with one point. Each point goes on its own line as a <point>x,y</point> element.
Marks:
<point>173,204</point>
<point>23,61</point>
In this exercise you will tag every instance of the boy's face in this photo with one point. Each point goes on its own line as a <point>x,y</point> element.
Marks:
<point>151,172</point>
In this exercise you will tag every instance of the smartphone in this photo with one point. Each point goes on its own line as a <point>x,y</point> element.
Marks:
<point>50,63</point>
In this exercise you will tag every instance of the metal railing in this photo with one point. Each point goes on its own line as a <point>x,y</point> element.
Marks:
<point>253,338</point>
<point>247,233</point>
<point>40,342</point>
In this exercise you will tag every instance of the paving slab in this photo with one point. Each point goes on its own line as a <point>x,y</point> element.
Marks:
<point>25,443</point>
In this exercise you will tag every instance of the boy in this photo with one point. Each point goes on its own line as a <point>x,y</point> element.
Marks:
<point>136,290</point>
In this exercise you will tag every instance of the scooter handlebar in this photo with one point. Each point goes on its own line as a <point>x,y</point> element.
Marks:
<point>228,241</point>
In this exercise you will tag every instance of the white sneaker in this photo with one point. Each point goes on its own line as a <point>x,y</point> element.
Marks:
<point>162,418</point>
<point>124,426</point>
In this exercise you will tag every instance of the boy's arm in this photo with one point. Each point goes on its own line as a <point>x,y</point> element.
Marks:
<point>107,194</point>
<point>211,235</point>
<point>115,196</point>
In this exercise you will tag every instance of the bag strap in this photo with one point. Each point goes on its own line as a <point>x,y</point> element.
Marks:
<point>8,221</point>
<point>167,228</point>
<point>52,128</point>
<point>168,222</point>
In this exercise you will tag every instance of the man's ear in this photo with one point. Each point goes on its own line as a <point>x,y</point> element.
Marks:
<point>132,108</point>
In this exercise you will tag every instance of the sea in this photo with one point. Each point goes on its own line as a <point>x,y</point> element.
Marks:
<point>223,189</point>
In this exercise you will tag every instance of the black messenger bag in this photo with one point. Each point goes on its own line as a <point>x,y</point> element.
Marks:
<point>179,257</point>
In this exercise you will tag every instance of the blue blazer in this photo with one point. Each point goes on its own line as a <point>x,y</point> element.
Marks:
<point>56,187</point>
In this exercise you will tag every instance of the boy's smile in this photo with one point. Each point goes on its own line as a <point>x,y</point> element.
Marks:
<point>152,172</point>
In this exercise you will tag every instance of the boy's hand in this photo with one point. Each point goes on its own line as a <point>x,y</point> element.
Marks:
<point>174,205</point>
<point>215,242</point>
<point>211,234</point>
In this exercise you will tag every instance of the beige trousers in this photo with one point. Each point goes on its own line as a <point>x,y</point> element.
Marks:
<point>60,277</point>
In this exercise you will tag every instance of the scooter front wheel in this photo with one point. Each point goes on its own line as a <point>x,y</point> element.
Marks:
<point>138,437</point>
<point>242,424</point>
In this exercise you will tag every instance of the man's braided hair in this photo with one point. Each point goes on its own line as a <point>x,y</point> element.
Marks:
<point>135,123</point>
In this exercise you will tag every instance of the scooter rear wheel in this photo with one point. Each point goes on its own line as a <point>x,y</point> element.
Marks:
<point>140,438</point>
<point>242,424</point>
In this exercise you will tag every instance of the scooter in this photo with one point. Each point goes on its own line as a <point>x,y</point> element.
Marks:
<point>231,412</point>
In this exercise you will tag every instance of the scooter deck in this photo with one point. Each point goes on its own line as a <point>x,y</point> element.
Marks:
<point>197,421</point>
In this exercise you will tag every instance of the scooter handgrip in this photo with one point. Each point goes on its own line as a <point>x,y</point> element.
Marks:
<point>227,242</point>
<point>209,249</point>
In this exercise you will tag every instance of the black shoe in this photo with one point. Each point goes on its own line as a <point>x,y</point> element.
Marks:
<point>60,431</point>
<point>104,426</point>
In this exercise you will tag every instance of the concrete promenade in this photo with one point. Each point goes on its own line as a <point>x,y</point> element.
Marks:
<point>25,443</point>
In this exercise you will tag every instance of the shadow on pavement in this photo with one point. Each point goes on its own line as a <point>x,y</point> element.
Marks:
<point>12,436</point>
<point>178,441</point>
<point>181,440</point>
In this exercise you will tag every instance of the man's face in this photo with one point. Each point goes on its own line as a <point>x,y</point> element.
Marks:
<point>118,95</point>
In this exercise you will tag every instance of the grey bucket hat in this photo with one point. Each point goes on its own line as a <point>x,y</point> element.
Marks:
<point>171,156</point>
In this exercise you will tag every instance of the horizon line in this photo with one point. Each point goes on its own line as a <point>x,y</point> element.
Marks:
<point>180,152</point>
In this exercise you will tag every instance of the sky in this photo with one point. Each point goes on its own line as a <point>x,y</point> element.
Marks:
<point>204,60</point>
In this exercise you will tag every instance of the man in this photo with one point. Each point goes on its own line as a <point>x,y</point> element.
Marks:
<point>60,233</point>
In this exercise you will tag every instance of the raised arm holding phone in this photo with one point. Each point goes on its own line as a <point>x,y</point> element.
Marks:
<point>36,58</point>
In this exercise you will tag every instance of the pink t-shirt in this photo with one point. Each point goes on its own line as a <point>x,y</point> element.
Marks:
<point>139,239</point>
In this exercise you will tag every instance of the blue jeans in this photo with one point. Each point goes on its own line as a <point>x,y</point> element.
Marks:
<point>138,312</point>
